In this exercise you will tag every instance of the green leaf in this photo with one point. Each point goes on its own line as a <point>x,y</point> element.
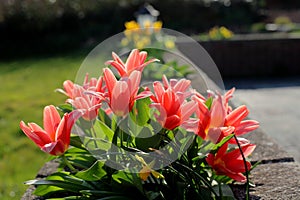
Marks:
<point>61,184</point>
<point>75,141</point>
<point>95,172</point>
<point>227,193</point>
<point>128,179</point>
<point>220,144</point>
<point>141,111</point>
<point>101,130</point>
<point>44,190</point>
<point>63,180</point>
<point>70,198</point>
<point>209,102</point>
<point>65,108</point>
<point>122,176</point>
<point>104,117</point>
<point>99,193</point>
<point>115,198</point>
<point>147,140</point>
<point>80,157</point>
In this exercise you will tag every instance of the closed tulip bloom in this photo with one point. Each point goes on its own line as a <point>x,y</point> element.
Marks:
<point>231,163</point>
<point>135,61</point>
<point>122,93</point>
<point>55,137</point>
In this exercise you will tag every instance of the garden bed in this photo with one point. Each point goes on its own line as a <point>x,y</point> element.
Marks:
<point>277,177</point>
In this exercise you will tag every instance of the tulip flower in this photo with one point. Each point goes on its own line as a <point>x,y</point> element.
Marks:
<point>73,90</point>
<point>170,100</point>
<point>231,163</point>
<point>88,103</point>
<point>135,61</point>
<point>123,93</point>
<point>220,120</point>
<point>55,137</point>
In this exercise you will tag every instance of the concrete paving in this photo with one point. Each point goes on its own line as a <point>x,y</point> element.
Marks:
<point>275,103</point>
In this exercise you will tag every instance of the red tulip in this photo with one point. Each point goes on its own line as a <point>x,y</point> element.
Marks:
<point>79,98</point>
<point>73,90</point>
<point>123,93</point>
<point>170,101</point>
<point>88,103</point>
<point>55,137</point>
<point>135,61</point>
<point>231,163</point>
<point>220,120</point>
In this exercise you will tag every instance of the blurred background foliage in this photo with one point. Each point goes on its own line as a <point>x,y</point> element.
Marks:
<point>30,27</point>
<point>53,26</point>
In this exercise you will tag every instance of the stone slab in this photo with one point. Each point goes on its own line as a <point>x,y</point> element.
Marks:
<point>48,168</point>
<point>276,181</point>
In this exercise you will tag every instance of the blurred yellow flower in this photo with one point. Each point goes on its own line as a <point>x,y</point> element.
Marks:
<point>124,42</point>
<point>217,33</point>
<point>226,33</point>
<point>213,33</point>
<point>132,25</point>
<point>170,44</point>
<point>147,24</point>
<point>147,169</point>
<point>148,33</point>
<point>157,25</point>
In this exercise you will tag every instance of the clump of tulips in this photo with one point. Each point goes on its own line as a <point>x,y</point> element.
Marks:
<point>117,139</point>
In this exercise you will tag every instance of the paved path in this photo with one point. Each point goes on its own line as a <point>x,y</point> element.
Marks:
<point>276,105</point>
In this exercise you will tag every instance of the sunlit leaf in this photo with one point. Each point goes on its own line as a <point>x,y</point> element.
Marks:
<point>147,140</point>
<point>95,172</point>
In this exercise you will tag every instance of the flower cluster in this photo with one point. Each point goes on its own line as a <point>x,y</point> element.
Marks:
<point>197,136</point>
<point>142,35</point>
<point>217,33</point>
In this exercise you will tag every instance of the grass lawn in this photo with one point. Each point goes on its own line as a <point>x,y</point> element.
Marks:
<point>26,87</point>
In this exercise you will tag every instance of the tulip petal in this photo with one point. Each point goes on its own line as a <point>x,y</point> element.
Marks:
<point>238,177</point>
<point>110,80</point>
<point>187,109</point>
<point>236,154</point>
<point>182,85</point>
<point>246,126</point>
<point>172,122</point>
<point>217,112</point>
<point>35,133</point>
<point>68,87</point>
<point>134,82</point>
<point>133,60</point>
<point>120,98</point>
<point>51,121</point>
<point>236,116</point>
<point>158,90</point>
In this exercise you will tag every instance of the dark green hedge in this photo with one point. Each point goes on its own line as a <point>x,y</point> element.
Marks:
<point>32,27</point>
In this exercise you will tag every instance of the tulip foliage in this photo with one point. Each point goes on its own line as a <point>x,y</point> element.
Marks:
<point>119,140</point>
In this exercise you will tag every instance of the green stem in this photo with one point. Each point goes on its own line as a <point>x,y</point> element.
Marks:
<point>94,135</point>
<point>199,176</point>
<point>68,164</point>
<point>114,122</point>
<point>246,168</point>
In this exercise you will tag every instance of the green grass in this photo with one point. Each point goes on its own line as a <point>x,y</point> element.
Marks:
<point>26,87</point>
